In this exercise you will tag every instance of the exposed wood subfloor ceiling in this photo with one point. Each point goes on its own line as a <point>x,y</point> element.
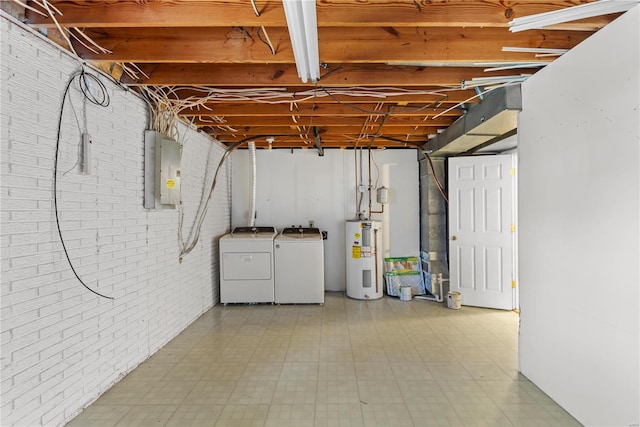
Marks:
<point>392,72</point>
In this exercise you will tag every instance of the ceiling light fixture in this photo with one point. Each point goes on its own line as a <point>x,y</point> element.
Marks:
<point>588,10</point>
<point>303,30</point>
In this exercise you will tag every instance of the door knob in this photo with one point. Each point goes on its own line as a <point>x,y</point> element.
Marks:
<point>454,238</point>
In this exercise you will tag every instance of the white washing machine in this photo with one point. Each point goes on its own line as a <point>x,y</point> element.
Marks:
<point>246,265</point>
<point>299,256</point>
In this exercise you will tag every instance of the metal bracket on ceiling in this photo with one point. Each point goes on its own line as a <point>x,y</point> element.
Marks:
<point>318,144</point>
<point>479,92</point>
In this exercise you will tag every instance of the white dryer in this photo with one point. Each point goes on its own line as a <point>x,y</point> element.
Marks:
<point>299,259</point>
<point>246,265</point>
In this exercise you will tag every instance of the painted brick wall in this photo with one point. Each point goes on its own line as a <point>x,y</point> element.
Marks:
<point>62,346</point>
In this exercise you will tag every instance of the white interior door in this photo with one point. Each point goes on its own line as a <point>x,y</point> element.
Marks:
<point>481,227</point>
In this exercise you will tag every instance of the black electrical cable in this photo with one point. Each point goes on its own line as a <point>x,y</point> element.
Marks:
<point>258,32</point>
<point>104,102</point>
<point>384,120</point>
<point>417,145</point>
<point>328,73</point>
<point>410,109</point>
<point>398,140</point>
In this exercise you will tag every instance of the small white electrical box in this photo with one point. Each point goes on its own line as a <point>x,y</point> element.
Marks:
<point>161,171</point>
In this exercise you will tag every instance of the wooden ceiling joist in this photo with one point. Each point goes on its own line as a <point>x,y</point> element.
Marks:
<point>431,45</point>
<point>329,95</point>
<point>344,141</point>
<point>382,13</point>
<point>319,110</point>
<point>332,121</point>
<point>369,129</point>
<point>337,75</point>
<point>343,144</point>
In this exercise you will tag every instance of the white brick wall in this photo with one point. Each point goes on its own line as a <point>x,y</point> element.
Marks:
<point>62,346</point>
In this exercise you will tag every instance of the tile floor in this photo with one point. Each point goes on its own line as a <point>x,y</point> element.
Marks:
<point>347,363</point>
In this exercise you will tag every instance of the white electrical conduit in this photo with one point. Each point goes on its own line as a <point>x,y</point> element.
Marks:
<point>194,236</point>
<point>252,178</point>
<point>569,14</point>
<point>534,50</point>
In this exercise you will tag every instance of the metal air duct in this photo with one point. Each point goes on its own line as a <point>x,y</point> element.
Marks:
<point>494,117</point>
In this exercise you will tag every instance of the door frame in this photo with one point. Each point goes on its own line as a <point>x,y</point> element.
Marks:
<point>514,228</point>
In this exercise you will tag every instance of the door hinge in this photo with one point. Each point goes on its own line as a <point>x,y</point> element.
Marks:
<point>513,228</point>
<point>513,284</point>
<point>513,171</point>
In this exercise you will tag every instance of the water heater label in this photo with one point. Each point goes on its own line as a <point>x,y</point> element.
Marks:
<point>355,252</point>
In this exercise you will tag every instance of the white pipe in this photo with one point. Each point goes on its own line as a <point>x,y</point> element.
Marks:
<point>252,178</point>
<point>437,297</point>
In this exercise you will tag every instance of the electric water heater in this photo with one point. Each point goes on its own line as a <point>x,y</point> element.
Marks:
<point>364,259</point>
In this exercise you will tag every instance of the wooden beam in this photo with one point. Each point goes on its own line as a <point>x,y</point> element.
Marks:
<point>239,122</point>
<point>429,45</point>
<point>345,142</point>
<point>296,141</point>
<point>383,13</point>
<point>341,144</point>
<point>296,135</point>
<point>302,95</point>
<point>348,75</point>
<point>320,110</point>
<point>336,131</point>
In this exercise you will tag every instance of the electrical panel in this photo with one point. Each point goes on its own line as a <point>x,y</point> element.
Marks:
<point>161,171</point>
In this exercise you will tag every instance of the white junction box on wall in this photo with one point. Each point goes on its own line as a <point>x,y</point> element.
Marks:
<point>161,170</point>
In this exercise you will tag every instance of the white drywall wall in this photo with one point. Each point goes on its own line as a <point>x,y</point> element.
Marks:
<point>579,187</point>
<point>62,346</point>
<point>297,187</point>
